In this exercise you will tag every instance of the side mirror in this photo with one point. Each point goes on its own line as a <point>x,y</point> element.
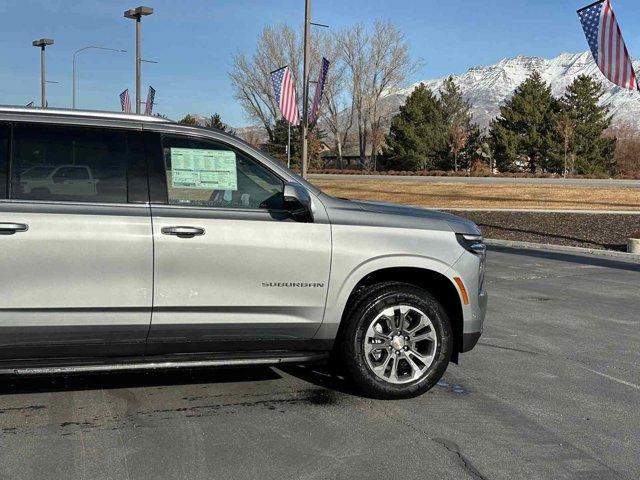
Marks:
<point>298,201</point>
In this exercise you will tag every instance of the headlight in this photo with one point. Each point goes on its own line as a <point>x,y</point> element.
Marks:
<point>475,245</point>
<point>472,243</point>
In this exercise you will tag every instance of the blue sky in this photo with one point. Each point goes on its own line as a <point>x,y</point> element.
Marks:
<point>195,40</point>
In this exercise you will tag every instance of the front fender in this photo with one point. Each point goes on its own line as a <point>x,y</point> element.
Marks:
<point>339,292</point>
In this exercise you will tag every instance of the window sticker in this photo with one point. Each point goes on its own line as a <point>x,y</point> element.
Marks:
<point>203,169</point>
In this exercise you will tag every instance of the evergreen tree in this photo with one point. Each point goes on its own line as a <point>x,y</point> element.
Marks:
<point>189,120</point>
<point>277,144</point>
<point>215,122</point>
<point>524,134</point>
<point>418,134</point>
<point>463,134</point>
<point>591,151</point>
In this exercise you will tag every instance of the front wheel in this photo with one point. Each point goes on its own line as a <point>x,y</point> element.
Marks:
<point>397,341</point>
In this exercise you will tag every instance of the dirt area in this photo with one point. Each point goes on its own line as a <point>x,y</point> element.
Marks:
<point>592,230</point>
<point>600,231</point>
<point>457,195</point>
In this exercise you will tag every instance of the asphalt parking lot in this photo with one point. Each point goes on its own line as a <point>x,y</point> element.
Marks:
<point>552,391</point>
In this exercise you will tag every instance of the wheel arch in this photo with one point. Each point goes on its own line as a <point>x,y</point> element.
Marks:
<point>436,283</point>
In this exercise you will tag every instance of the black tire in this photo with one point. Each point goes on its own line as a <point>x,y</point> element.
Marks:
<point>363,310</point>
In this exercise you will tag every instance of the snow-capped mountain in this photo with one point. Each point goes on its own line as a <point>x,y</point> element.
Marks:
<point>488,87</point>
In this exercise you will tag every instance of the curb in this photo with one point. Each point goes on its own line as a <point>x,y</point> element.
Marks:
<point>631,257</point>
<point>576,182</point>
<point>539,210</point>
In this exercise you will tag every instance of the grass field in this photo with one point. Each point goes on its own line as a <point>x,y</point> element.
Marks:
<point>473,196</point>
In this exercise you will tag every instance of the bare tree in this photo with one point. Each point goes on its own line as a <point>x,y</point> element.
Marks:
<point>458,137</point>
<point>565,127</point>
<point>251,77</point>
<point>252,136</point>
<point>390,68</point>
<point>378,63</point>
<point>354,48</point>
<point>366,66</point>
<point>336,112</point>
<point>627,150</point>
<point>485,152</point>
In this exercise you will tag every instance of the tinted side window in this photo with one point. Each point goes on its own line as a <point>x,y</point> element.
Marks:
<point>210,174</point>
<point>4,155</point>
<point>69,164</point>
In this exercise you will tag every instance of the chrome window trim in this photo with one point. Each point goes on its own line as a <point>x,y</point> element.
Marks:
<point>159,210</point>
<point>208,209</point>
<point>75,208</point>
<point>82,204</point>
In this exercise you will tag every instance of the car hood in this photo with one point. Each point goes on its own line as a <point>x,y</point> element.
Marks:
<point>393,215</point>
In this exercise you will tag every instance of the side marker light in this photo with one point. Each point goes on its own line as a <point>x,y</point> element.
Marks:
<point>463,291</point>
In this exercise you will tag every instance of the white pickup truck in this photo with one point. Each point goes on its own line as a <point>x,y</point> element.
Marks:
<point>59,180</point>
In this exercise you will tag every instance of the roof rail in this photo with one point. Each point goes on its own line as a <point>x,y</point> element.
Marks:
<point>82,113</point>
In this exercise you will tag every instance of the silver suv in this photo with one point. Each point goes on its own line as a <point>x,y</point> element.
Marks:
<point>191,248</point>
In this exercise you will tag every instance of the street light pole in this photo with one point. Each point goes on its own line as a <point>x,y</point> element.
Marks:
<point>138,63</point>
<point>137,14</point>
<point>305,87</point>
<point>43,43</point>
<point>43,81</point>
<point>73,103</point>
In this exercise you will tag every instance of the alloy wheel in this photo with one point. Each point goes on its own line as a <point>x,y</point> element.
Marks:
<point>400,344</point>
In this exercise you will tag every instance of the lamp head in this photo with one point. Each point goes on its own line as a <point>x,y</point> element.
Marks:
<point>43,42</point>
<point>138,12</point>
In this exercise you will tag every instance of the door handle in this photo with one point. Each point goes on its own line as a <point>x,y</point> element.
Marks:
<point>11,228</point>
<point>183,232</point>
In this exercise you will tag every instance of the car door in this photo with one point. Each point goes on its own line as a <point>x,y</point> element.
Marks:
<point>76,266</point>
<point>232,268</point>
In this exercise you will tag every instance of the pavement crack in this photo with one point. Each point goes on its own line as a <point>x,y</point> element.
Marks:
<point>548,276</point>
<point>473,472</point>
<point>512,349</point>
<point>466,463</point>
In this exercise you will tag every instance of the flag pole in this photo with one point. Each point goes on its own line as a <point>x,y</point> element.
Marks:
<point>305,86</point>
<point>288,145</point>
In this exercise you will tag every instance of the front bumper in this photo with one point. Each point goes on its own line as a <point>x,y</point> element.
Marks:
<point>470,339</point>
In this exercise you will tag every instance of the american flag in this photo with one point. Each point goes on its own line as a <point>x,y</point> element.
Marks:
<point>607,45</point>
<point>125,101</point>
<point>148,107</point>
<point>317,99</point>
<point>286,95</point>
